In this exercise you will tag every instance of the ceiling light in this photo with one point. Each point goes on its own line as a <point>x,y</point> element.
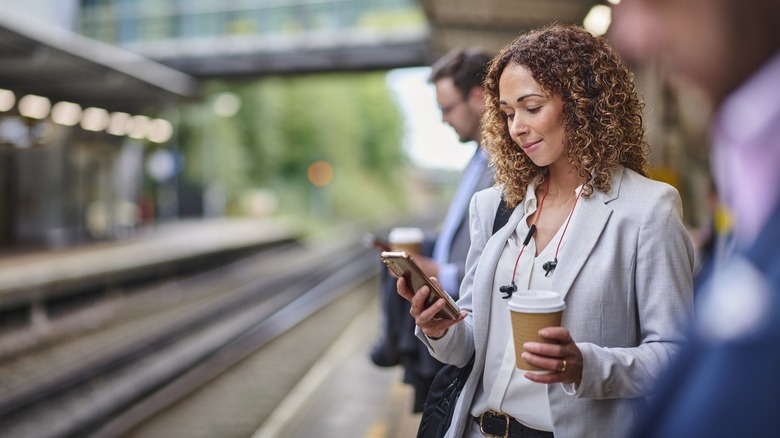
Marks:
<point>66,113</point>
<point>94,119</point>
<point>161,131</point>
<point>119,123</point>
<point>598,19</point>
<point>7,99</point>
<point>140,125</point>
<point>34,107</point>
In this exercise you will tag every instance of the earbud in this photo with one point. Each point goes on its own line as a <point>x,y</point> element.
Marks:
<point>549,266</point>
<point>508,290</point>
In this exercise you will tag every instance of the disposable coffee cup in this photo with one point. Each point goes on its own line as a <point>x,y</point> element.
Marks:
<point>407,239</point>
<point>530,311</point>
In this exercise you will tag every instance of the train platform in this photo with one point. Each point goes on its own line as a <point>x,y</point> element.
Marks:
<point>36,285</point>
<point>35,277</point>
<point>153,246</point>
<point>344,395</point>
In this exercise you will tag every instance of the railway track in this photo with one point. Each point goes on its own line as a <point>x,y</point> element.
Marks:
<point>138,367</point>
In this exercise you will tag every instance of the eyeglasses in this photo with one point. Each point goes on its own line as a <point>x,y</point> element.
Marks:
<point>446,109</point>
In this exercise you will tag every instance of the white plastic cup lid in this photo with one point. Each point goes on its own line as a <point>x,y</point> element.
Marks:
<point>408,235</point>
<point>536,301</point>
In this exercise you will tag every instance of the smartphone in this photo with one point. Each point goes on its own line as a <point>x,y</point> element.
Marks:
<point>404,266</point>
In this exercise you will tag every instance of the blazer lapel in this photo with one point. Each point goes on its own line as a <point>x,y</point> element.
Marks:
<point>584,233</point>
<point>483,277</point>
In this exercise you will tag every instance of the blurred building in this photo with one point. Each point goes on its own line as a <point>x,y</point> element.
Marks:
<point>79,120</point>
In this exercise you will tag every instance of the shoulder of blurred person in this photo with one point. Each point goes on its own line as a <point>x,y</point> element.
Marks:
<point>724,383</point>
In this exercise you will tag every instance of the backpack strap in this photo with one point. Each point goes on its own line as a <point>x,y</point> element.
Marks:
<point>502,215</point>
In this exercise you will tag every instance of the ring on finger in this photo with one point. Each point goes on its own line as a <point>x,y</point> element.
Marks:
<point>563,367</point>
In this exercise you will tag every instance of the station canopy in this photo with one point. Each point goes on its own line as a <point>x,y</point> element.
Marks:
<point>491,24</point>
<point>36,58</point>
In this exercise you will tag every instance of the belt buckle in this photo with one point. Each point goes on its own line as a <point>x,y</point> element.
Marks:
<point>494,414</point>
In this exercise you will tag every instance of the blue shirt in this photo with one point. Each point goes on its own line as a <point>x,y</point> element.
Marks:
<point>448,272</point>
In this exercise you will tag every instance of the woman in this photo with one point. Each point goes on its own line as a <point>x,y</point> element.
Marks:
<point>563,127</point>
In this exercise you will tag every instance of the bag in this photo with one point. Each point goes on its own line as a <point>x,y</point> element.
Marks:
<point>449,381</point>
<point>440,404</point>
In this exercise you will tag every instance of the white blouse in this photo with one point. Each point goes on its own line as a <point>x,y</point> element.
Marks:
<point>504,387</point>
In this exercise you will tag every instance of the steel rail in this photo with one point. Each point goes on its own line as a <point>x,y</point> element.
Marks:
<point>170,359</point>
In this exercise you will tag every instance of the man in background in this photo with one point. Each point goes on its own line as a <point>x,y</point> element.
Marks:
<point>457,77</point>
<point>725,382</point>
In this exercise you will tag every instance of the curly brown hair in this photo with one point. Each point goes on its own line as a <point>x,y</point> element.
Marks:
<point>602,113</point>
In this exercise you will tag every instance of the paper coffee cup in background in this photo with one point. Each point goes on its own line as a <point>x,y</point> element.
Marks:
<point>530,311</point>
<point>407,239</point>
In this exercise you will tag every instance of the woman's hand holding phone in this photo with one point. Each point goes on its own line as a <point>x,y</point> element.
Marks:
<point>433,310</point>
<point>403,265</point>
<point>427,316</point>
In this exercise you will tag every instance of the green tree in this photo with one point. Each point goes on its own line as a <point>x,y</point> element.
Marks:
<point>284,125</point>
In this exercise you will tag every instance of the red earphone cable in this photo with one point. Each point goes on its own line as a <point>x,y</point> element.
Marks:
<point>532,229</point>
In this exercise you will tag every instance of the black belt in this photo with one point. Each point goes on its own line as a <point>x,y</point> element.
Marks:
<point>500,425</point>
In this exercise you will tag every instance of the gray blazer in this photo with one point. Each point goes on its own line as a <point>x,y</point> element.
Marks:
<point>627,283</point>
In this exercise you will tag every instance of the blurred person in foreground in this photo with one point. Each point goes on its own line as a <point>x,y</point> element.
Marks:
<point>563,127</point>
<point>725,384</point>
<point>457,78</point>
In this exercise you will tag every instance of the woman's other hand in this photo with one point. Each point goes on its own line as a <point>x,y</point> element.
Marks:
<point>563,357</point>
<point>425,318</point>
